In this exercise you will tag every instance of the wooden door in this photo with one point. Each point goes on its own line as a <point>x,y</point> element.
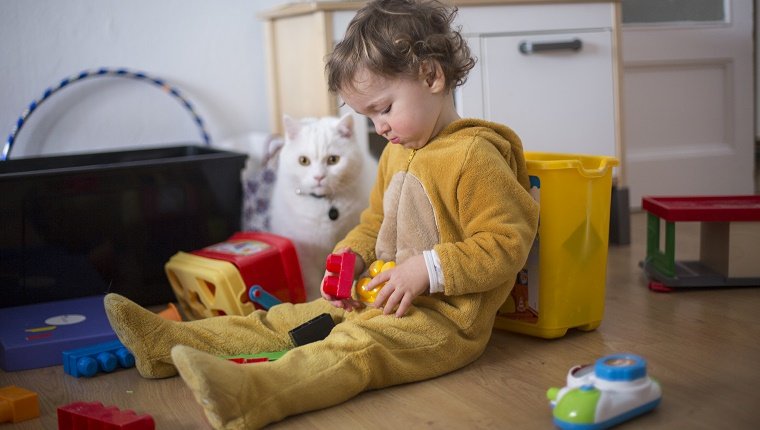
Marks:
<point>688,107</point>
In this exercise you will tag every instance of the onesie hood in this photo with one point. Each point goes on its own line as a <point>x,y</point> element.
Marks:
<point>503,138</point>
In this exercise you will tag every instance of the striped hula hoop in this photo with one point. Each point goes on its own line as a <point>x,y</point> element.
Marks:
<point>123,73</point>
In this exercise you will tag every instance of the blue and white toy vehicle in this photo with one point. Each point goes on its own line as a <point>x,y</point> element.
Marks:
<point>614,389</point>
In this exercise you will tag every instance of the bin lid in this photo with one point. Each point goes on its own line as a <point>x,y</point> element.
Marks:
<point>111,160</point>
<point>591,166</point>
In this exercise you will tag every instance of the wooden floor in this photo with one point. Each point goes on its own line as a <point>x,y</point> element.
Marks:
<point>702,345</point>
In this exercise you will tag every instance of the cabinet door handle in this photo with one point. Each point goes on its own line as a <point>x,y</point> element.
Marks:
<point>527,47</point>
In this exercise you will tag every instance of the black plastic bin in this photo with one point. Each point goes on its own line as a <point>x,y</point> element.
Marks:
<point>85,224</point>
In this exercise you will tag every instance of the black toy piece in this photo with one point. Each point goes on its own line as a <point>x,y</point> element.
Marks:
<point>313,330</point>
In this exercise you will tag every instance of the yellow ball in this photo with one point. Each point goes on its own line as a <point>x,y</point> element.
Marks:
<point>376,267</point>
<point>361,283</point>
<point>387,266</point>
<point>367,296</point>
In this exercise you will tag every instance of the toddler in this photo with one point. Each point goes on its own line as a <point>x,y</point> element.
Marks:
<point>450,206</point>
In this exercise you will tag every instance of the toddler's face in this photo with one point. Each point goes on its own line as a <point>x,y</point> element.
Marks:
<point>405,111</point>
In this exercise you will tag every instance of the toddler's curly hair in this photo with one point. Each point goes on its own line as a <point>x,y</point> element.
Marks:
<point>397,37</point>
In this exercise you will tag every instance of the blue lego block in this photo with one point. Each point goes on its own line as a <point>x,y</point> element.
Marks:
<point>103,357</point>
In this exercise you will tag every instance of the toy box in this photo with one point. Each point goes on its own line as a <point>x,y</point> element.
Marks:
<point>563,283</point>
<point>35,336</point>
<point>86,224</point>
<point>216,280</point>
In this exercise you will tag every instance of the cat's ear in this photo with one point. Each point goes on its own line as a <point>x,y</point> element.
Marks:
<point>346,126</point>
<point>292,126</point>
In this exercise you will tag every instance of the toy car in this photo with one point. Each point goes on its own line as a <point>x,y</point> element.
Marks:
<point>614,389</point>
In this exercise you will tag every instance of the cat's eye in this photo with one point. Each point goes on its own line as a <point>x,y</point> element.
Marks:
<point>333,159</point>
<point>304,160</point>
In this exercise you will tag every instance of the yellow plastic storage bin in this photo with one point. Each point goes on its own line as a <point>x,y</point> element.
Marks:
<point>562,286</point>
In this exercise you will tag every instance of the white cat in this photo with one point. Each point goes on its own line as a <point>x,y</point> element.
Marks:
<point>324,177</point>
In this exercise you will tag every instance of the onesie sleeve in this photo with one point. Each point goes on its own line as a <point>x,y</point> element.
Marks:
<point>498,218</point>
<point>363,238</point>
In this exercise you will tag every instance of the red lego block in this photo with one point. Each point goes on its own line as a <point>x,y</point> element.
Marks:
<point>18,404</point>
<point>343,264</point>
<point>243,360</point>
<point>95,416</point>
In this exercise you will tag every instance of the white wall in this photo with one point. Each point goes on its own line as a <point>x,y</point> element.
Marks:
<point>212,51</point>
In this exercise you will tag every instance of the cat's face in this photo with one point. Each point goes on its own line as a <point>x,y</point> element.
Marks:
<point>320,155</point>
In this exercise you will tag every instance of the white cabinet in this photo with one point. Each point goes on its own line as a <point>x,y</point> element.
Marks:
<point>557,100</point>
<point>559,91</point>
<point>560,100</point>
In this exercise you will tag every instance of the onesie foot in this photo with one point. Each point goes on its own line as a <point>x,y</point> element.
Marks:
<point>218,385</point>
<point>141,331</point>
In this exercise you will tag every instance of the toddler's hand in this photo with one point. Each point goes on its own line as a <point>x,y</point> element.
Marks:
<point>402,284</point>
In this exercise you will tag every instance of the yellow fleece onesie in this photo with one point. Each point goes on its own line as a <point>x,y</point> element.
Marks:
<point>464,195</point>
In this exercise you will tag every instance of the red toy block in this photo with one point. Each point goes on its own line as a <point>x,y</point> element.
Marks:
<point>256,358</point>
<point>343,264</point>
<point>242,360</point>
<point>18,404</point>
<point>95,416</point>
